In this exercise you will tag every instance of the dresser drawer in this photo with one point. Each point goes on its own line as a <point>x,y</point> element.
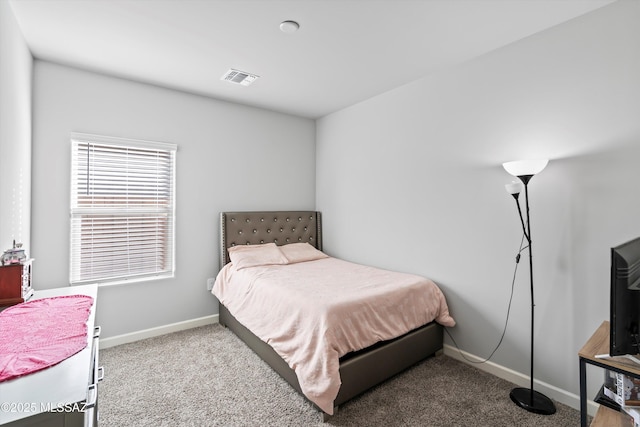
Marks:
<point>97,374</point>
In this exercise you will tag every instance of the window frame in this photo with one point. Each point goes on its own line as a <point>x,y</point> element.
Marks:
<point>116,211</point>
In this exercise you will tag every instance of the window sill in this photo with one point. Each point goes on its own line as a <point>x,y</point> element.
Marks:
<point>127,281</point>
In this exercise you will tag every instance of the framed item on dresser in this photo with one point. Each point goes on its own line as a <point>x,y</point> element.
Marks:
<point>15,283</point>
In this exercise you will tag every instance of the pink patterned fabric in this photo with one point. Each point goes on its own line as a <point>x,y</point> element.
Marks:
<point>41,333</point>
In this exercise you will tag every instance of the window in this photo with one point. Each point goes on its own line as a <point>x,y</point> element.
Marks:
<point>122,209</point>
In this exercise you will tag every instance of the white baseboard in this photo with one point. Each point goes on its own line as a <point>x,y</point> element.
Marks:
<point>553,392</point>
<point>154,332</point>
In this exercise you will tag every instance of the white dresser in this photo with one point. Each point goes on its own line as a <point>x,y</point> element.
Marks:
<point>64,395</point>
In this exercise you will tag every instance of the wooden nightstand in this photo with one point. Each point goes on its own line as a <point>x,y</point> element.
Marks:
<point>15,283</point>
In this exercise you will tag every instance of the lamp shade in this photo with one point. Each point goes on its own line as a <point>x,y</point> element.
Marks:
<point>515,187</point>
<point>525,167</point>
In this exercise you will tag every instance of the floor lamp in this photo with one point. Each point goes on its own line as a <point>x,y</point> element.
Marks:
<point>528,399</point>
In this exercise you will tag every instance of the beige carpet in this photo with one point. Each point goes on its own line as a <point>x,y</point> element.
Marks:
<point>207,377</point>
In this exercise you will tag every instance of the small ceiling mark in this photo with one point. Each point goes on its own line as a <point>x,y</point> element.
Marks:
<point>289,26</point>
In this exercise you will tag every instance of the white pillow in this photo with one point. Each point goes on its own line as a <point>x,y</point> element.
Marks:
<point>300,252</point>
<point>245,256</point>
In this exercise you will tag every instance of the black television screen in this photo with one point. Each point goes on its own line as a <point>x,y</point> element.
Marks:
<point>625,299</point>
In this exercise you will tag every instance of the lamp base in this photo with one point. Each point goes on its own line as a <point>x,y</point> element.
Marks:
<point>541,404</point>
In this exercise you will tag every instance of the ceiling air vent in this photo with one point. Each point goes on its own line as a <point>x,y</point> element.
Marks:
<point>239,77</point>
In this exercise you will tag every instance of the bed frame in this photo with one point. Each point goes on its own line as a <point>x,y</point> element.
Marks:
<point>359,371</point>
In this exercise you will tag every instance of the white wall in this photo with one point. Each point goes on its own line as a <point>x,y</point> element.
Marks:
<point>15,132</point>
<point>230,157</point>
<point>412,180</point>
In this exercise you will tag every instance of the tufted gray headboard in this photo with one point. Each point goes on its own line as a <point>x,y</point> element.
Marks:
<point>279,227</point>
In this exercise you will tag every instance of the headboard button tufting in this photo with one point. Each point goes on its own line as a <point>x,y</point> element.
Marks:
<point>246,230</point>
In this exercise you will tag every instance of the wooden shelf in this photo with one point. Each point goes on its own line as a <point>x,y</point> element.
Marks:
<point>598,344</point>
<point>606,417</point>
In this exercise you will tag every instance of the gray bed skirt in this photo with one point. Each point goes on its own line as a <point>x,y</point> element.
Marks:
<point>359,371</point>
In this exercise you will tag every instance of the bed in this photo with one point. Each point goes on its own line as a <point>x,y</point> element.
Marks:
<point>359,369</point>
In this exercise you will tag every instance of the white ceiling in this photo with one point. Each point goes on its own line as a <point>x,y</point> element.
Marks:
<point>344,52</point>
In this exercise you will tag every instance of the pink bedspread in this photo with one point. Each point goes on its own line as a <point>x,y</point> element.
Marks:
<point>41,333</point>
<point>313,313</point>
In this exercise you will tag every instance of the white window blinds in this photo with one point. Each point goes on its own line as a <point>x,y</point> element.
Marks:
<point>122,209</point>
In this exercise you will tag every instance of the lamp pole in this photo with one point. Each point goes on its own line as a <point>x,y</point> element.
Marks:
<point>533,305</point>
<point>530,399</point>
